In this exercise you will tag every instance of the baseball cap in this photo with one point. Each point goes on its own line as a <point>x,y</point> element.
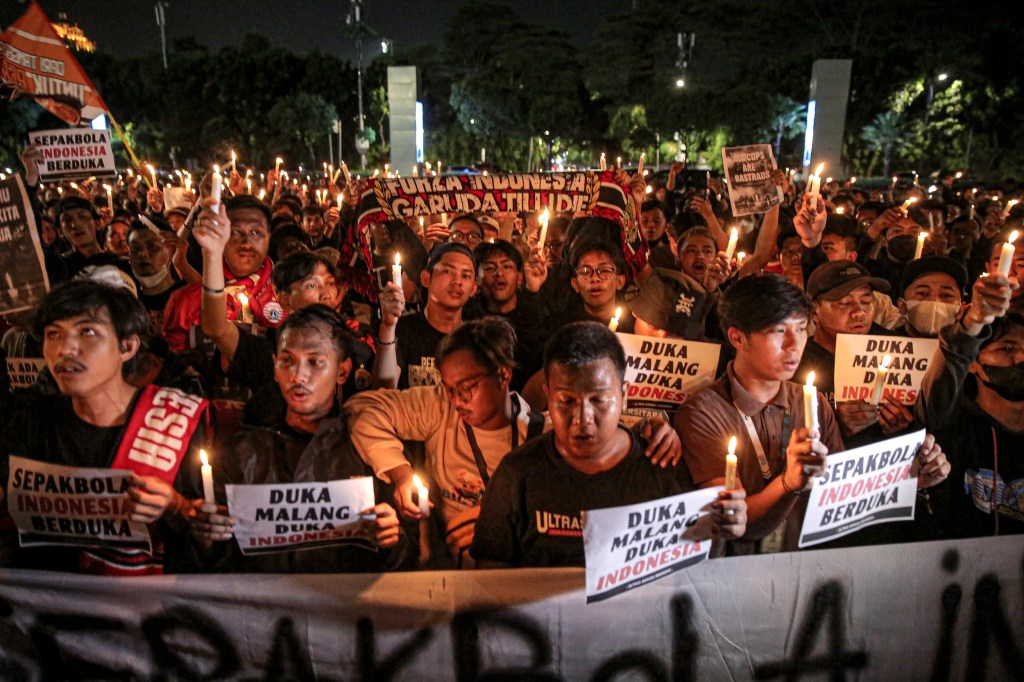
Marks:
<point>835,279</point>
<point>448,247</point>
<point>923,266</point>
<point>69,203</point>
<point>672,301</point>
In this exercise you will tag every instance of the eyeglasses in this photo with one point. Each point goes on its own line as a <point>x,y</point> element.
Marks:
<point>465,389</point>
<point>473,239</point>
<point>587,273</point>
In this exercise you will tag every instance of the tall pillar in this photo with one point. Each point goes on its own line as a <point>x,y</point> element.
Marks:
<point>826,115</point>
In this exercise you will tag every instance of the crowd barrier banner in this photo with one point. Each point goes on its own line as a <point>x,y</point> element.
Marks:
<point>941,610</point>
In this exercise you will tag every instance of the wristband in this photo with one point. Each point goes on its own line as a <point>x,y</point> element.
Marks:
<point>387,343</point>
<point>213,291</point>
<point>785,487</point>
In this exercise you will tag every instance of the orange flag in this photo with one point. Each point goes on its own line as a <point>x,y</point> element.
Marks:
<point>35,62</point>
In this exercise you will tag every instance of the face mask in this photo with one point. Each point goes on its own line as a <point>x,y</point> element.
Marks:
<point>902,248</point>
<point>928,317</point>
<point>148,282</point>
<point>1008,382</point>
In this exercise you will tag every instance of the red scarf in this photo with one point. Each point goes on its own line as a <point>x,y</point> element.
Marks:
<point>154,443</point>
<point>266,311</point>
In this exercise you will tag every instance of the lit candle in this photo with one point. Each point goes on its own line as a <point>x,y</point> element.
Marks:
<point>396,270</point>
<point>277,164</point>
<point>908,203</point>
<point>152,172</point>
<point>421,225</point>
<point>245,314</point>
<point>207,472</point>
<point>416,170</point>
<point>614,324</point>
<point>618,162</point>
<point>649,189</point>
<point>815,183</point>
<point>263,193</point>
<point>387,169</point>
<point>543,229</point>
<point>215,183</point>
<point>423,494</point>
<point>188,184</point>
<point>730,465</point>
<point>604,163</point>
<point>1009,206</point>
<point>341,199</point>
<point>248,186</point>
<point>233,160</point>
<point>920,245</point>
<point>810,403</point>
<point>970,211</point>
<point>883,372</point>
<point>931,221</point>
<point>640,165</point>
<point>840,210</point>
<point>1006,256</point>
<point>326,174</point>
<point>110,196</point>
<point>739,258</point>
<point>734,237</point>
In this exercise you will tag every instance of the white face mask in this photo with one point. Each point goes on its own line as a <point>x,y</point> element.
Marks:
<point>150,281</point>
<point>929,317</point>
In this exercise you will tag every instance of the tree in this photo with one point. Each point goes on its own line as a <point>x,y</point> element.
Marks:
<point>885,135</point>
<point>304,119</point>
<point>789,118</point>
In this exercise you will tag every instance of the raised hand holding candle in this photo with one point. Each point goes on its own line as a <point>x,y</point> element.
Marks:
<point>908,203</point>
<point>734,236</point>
<point>423,494</point>
<point>883,372</point>
<point>543,229</point>
<point>816,183</point>
<point>614,324</point>
<point>730,465</point>
<point>920,245</point>
<point>1006,255</point>
<point>207,472</point>
<point>396,270</point>
<point>810,403</point>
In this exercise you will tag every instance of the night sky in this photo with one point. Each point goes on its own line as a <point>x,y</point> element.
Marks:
<point>128,27</point>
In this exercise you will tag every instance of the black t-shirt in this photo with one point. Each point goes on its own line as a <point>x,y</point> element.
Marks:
<point>417,341</point>
<point>530,514</point>
<point>576,312</point>
<point>155,304</point>
<point>75,263</point>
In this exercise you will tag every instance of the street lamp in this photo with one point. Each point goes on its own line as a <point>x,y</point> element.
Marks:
<point>680,82</point>
<point>931,94</point>
<point>942,77</point>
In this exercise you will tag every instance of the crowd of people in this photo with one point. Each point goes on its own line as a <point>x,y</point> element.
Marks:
<point>277,335</point>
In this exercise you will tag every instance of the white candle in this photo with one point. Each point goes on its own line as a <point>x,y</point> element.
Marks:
<point>423,494</point>
<point>215,184</point>
<point>618,162</point>
<point>277,164</point>
<point>152,172</point>
<point>110,196</point>
<point>1006,255</point>
<point>883,372</point>
<point>396,270</point>
<point>734,236</point>
<point>604,164</point>
<point>970,211</point>
<point>244,314</point>
<point>815,182</point>
<point>614,323</point>
<point>341,199</point>
<point>640,165</point>
<point>739,258</point>
<point>543,229</point>
<point>422,230</point>
<point>920,245</point>
<point>730,465</point>
<point>810,403</point>
<point>907,204</point>
<point>1009,206</point>
<point>248,186</point>
<point>207,472</point>
<point>931,221</point>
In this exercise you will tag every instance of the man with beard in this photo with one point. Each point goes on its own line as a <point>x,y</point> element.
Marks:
<point>309,441</point>
<point>244,270</point>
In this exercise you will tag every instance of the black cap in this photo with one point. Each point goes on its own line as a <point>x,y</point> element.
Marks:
<point>448,247</point>
<point>672,301</point>
<point>73,202</point>
<point>923,266</point>
<point>835,279</point>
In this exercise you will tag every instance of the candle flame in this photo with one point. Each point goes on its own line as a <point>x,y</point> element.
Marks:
<point>649,189</point>
<point>810,378</point>
<point>544,216</point>
<point>886,361</point>
<point>732,445</point>
<point>205,460</point>
<point>398,259</point>
<point>735,234</point>
<point>279,160</point>
<point>821,167</point>
<point>416,481</point>
<point>618,313</point>
<point>840,210</point>
<point>922,236</point>
<point>243,300</point>
<point>233,157</point>
<point>149,167</point>
<point>1013,237</point>
<point>216,168</point>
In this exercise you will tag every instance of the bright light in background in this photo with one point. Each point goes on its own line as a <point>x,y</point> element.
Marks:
<point>419,132</point>
<point>99,123</point>
<point>809,138</point>
<point>680,82</point>
<point>943,76</point>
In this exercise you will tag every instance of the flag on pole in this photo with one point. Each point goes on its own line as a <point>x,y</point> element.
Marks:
<point>35,62</point>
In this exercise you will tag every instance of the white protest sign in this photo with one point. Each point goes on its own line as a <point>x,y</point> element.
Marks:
<point>662,372</point>
<point>60,505</point>
<point>748,170</point>
<point>23,372</point>
<point>282,517</point>
<point>630,546</point>
<point>863,487</point>
<point>859,355</point>
<point>70,153</point>
<point>23,277</point>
